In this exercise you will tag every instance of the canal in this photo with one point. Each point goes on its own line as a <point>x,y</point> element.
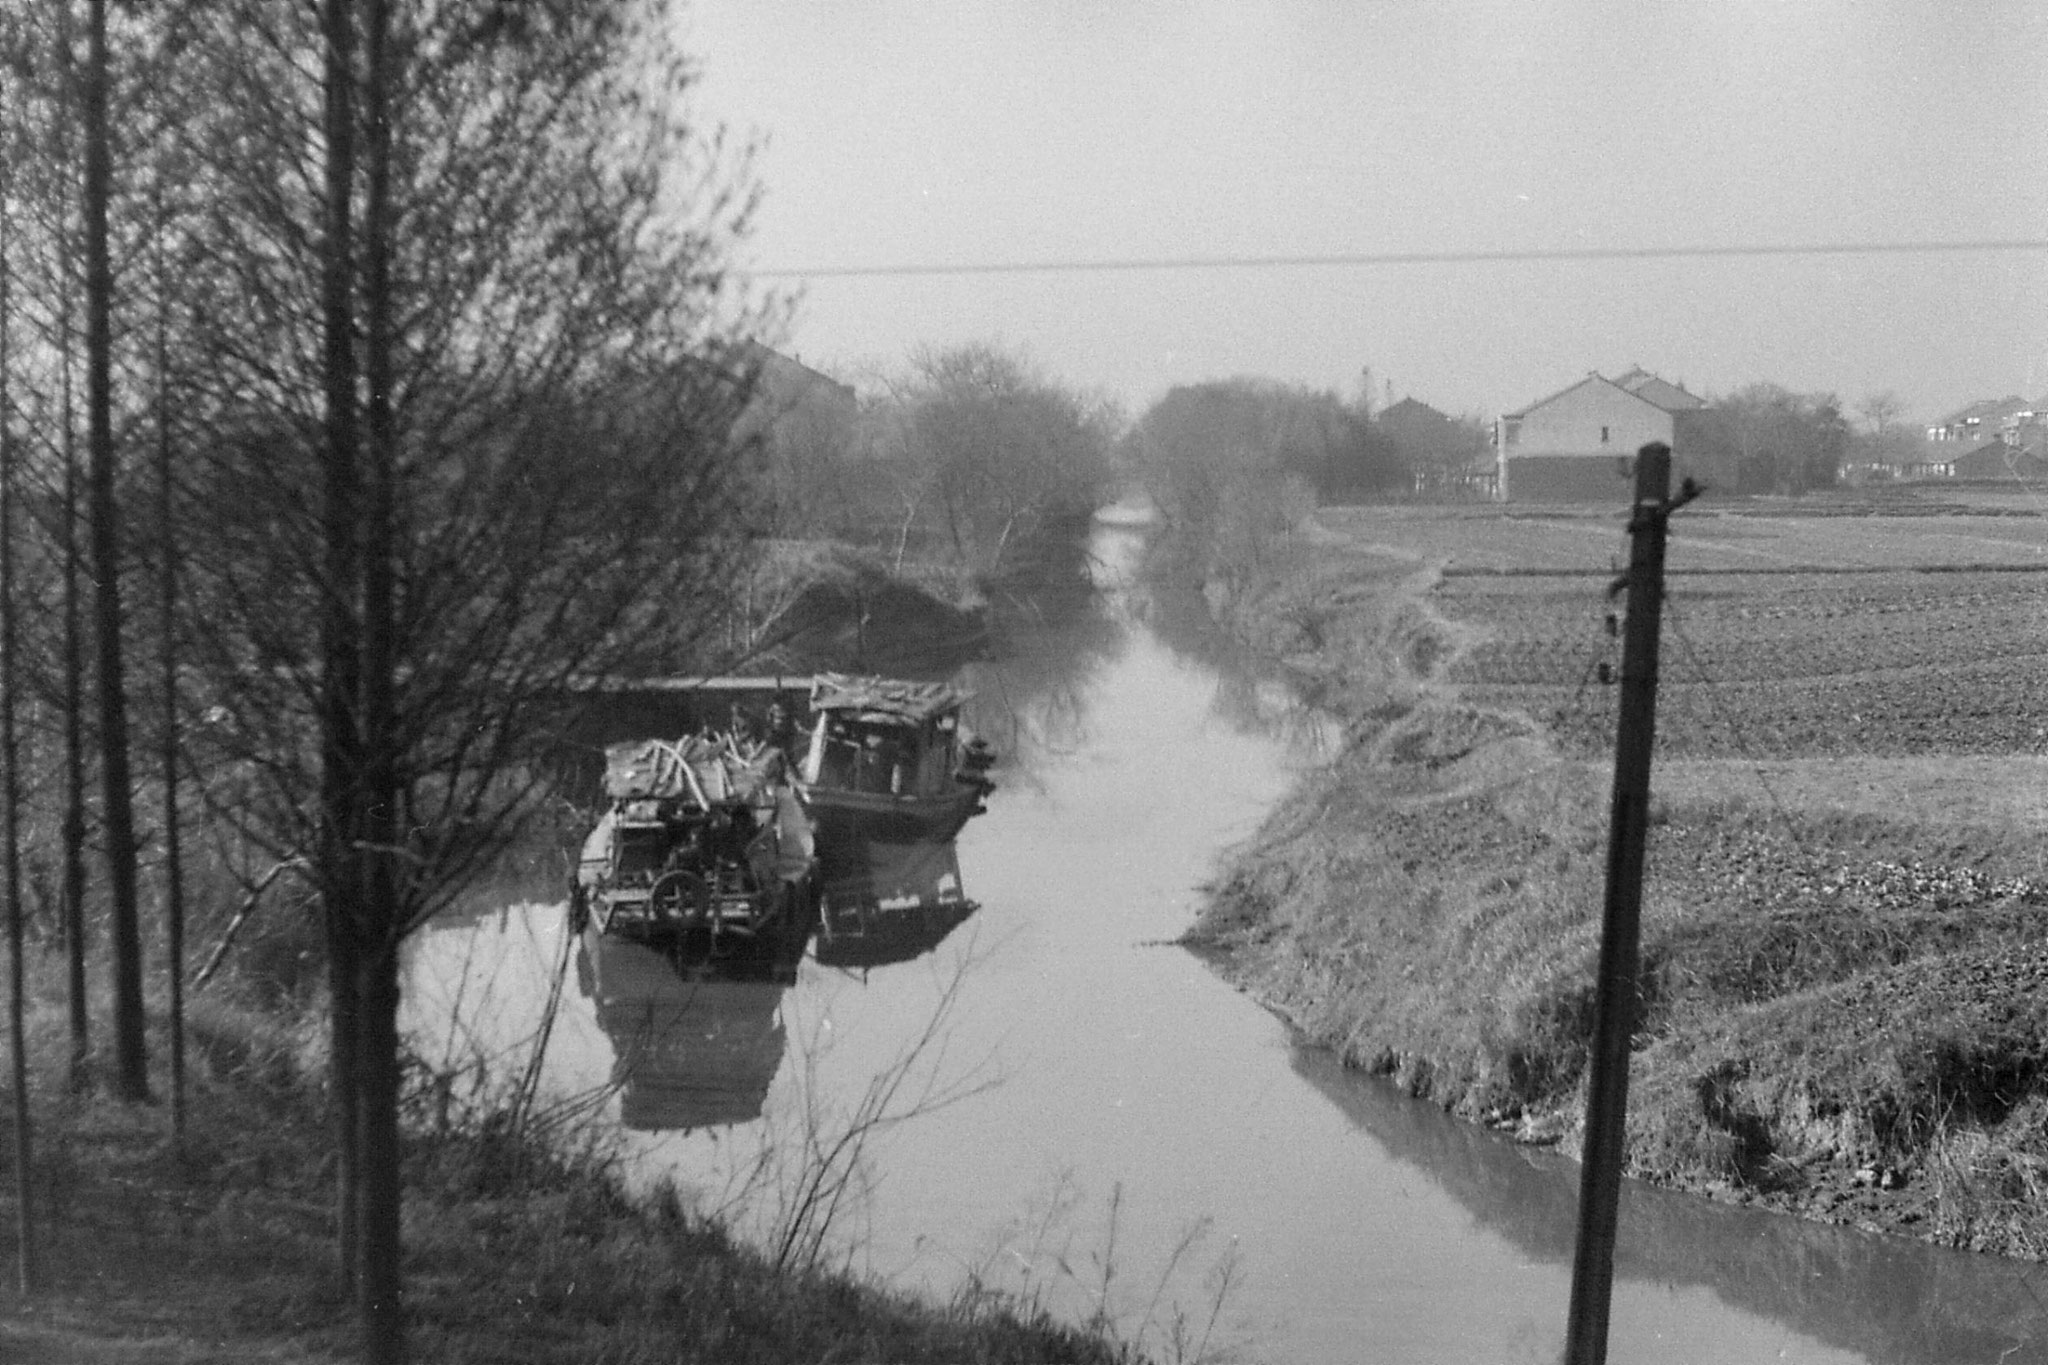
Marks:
<point>1084,1117</point>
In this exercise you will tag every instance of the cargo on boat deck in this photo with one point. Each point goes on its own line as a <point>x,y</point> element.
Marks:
<point>702,851</point>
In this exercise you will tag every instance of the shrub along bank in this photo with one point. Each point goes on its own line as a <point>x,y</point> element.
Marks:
<point>1845,999</point>
<point>221,1249</point>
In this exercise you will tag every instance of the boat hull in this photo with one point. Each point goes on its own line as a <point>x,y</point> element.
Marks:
<point>839,815</point>
<point>745,908</point>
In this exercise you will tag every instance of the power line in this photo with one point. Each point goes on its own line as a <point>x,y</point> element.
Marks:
<point>1404,258</point>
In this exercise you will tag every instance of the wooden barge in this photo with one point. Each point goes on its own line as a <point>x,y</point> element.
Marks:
<point>836,812</point>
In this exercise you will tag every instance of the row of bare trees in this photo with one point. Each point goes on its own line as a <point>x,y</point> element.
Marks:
<point>410,387</point>
<point>969,459</point>
<point>1234,464</point>
<point>1765,438</point>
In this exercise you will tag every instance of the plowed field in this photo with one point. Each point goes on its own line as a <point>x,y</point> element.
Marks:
<point>1785,637</point>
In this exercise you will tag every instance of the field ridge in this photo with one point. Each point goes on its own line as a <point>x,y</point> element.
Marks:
<point>1862,841</point>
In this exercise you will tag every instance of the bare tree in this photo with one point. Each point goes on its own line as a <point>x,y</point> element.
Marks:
<point>340,661</point>
<point>85,231</point>
<point>1233,464</point>
<point>41,112</point>
<point>1882,411</point>
<point>482,312</point>
<point>86,227</point>
<point>991,455</point>
<point>167,655</point>
<point>1887,439</point>
<point>1779,441</point>
<point>10,786</point>
<point>103,516</point>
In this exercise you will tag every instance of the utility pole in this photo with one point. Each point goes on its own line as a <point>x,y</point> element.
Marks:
<point>1621,928</point>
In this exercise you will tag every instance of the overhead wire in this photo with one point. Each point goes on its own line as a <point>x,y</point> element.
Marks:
<point>1352,259</point>
<point>1735,730</point>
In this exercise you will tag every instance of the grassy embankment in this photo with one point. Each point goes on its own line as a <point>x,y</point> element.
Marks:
<point>1845,1009</point>
<point>516,1250</point>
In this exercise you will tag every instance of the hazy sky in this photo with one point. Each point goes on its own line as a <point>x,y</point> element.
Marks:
<point>1042,130</point>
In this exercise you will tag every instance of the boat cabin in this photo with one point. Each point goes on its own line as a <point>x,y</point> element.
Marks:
<point>883,737</point>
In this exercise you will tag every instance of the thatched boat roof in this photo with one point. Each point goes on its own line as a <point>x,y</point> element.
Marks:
<point>884,698</point>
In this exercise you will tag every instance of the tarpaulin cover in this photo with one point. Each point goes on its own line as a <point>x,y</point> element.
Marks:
<point>707,771</point>
<point>916,702</point>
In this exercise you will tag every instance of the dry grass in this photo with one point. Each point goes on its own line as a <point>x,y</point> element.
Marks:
<point>220,1250</point>
<point>1845,1000</point>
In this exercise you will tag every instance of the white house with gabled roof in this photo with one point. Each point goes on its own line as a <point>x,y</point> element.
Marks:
<point>1576,444</point>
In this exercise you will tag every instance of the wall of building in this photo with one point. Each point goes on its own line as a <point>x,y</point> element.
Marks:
<point>1592,419</point>
<point>2000,462</point>
<point>1572,478</point>
<point>1570,447</point>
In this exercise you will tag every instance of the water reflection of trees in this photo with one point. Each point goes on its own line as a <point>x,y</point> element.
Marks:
<point>1895,1301</point>
<point>1251,695</point>
<point>533,869</point>
<point>1031,696</point>
<point>1053,635</point>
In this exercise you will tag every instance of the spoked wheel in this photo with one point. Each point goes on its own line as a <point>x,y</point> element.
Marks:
<point>680,899</point>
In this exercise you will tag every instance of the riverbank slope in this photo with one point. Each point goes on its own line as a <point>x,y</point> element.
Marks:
<point>221,1248</point>
<point>1845,1009</point>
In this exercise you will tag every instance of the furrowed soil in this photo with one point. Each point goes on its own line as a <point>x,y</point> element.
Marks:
<point>1845,935</point>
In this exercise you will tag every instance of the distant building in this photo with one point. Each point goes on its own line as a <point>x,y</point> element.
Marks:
<point>1575,445</point>
<point>1931,461</point>
<point>1986,418</point>
<point>1995,438</point>
<point>801,428</point>
<point>1666,395</point>
<point>783,385</point>
<point>795,411</point>
<point>1999,461</point>
<point>1990,461</point>
<point>1412,421</point>
<point>1445,457</point>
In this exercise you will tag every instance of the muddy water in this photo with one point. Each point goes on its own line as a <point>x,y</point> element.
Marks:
<point>1112,1128</point>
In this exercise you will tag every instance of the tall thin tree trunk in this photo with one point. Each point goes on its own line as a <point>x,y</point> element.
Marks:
<point>380,1296</point>
<point>74,734</point>
<point>382,1285</point>
<point>73,825</point>
<point>10,792</point>
<point>167,584</point>
<point>340,747</point>
<point>131,1055</point>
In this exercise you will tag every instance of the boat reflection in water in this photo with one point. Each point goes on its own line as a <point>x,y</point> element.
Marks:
<point>692,1049</point>
<point>698,1044</point>
<point>886,902</point>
